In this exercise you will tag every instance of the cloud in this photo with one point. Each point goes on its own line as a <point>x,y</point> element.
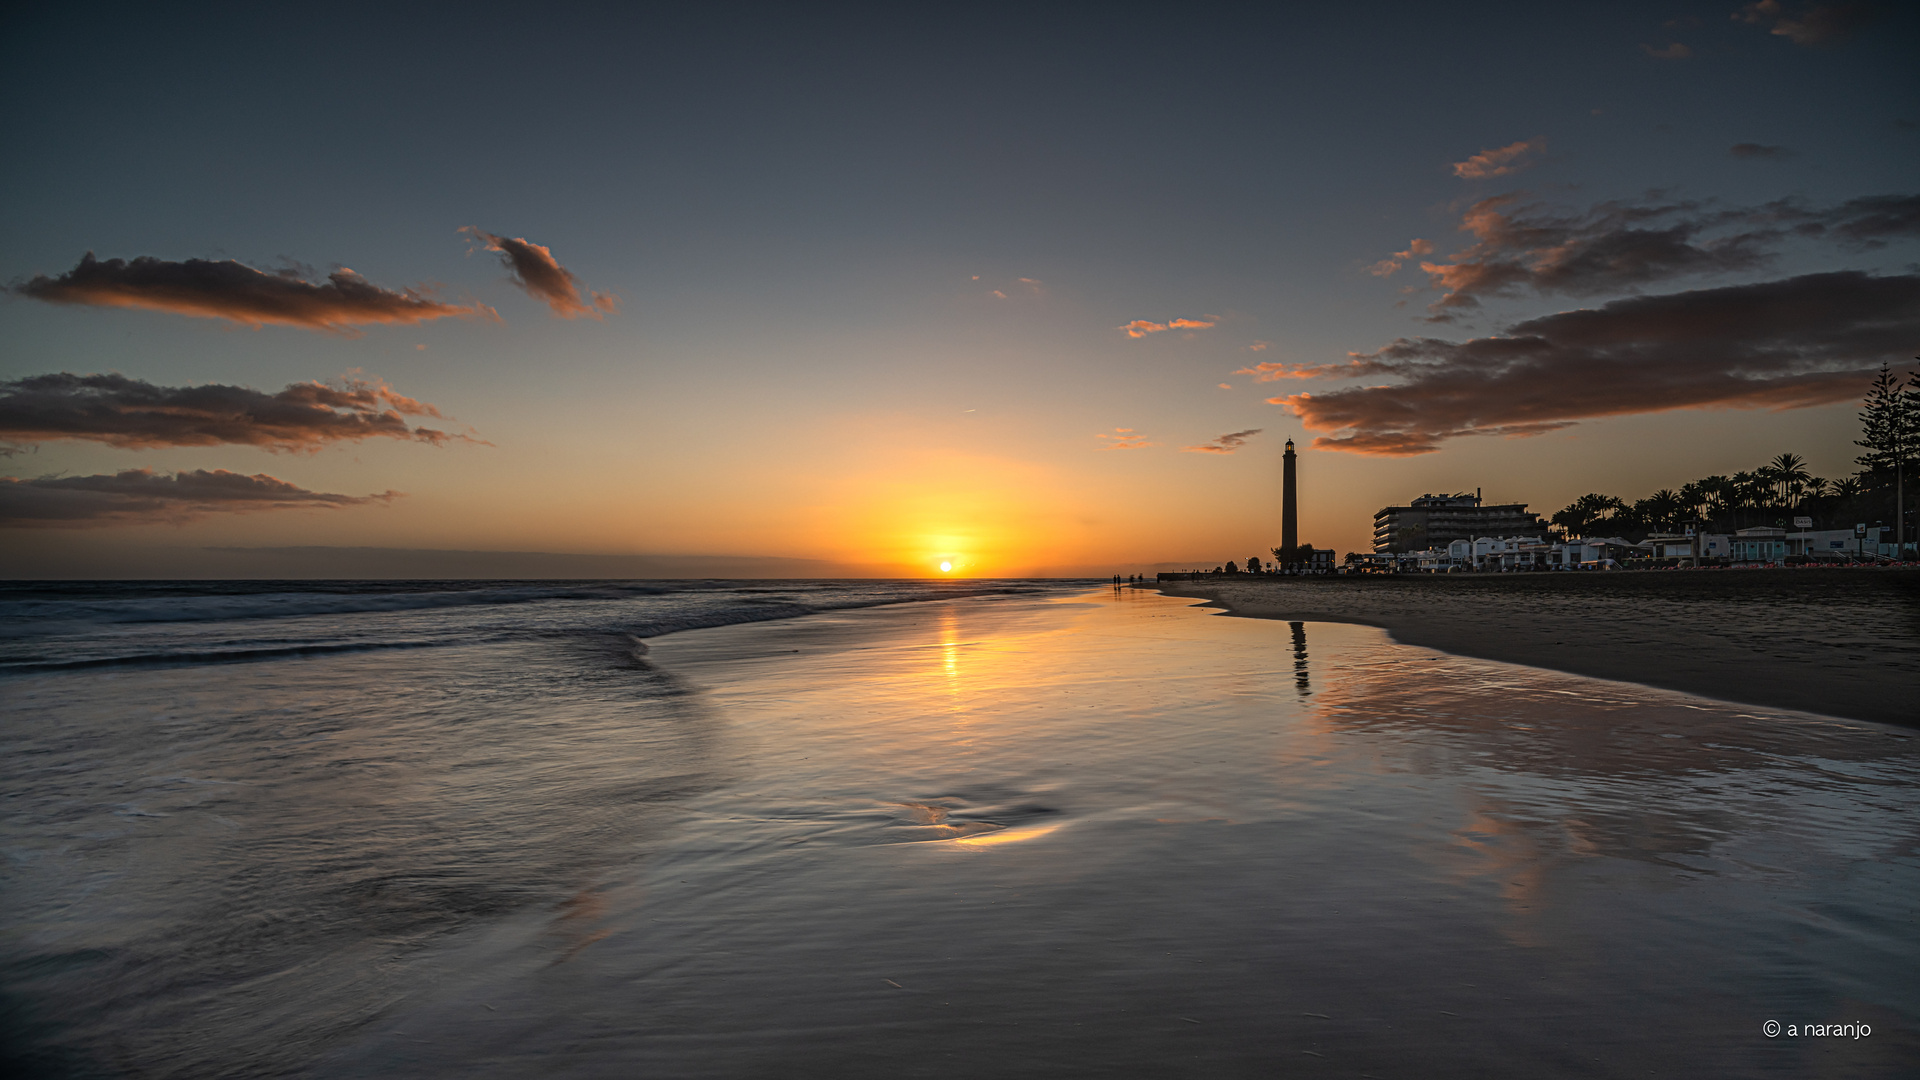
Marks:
<point>537,272</point>
<point>1622,245</point>
<point>1820,24</point>
<point>1224,386</point>
<point>1274,370</point>
<point>1014,288</point>
<point>1672,51</point>
<point>239,293</point>
<point>1793,343</point>
<point>1502,162</point>
<point>142,495</point>
<point>133,414</point>
<point>1140,328</point>
<point>1124,438</point>
<point>1259,346</point>
<point>1757,150</point>
<point>1225,444</point>
<point>1866,222</point>
<point>1386,267</point>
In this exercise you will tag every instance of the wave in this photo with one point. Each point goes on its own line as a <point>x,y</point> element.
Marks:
<point>67,609</point>
<point>213,656</point>
<point>35,616</point>
<point>217,624</point>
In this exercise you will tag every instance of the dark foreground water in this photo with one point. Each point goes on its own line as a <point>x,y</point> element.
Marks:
<point>477,831</point>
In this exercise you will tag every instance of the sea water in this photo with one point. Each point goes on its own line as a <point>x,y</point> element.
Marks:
<point>999,829</point>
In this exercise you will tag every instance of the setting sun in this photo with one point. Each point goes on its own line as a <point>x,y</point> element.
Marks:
<point>946,567</point>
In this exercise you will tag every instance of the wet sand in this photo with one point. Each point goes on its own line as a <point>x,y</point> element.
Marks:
<point>1125,837</point>
<point>1115,834</point>
<point>1837,642</point>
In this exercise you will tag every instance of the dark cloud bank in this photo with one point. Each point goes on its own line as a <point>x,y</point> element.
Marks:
<point>133,414</point>
<point>242,294</point>
<point>1611,247</point>
<point>142,495</point>
<point>1803,341</point>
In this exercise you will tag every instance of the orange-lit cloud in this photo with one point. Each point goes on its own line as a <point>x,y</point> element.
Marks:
<point>1274,370</point>
<point>1140,328</point>
<point>1673,50</point>
<point>1386,267</point>
<point>133,414</point>
<point>1819,24</point>
<point>1614,246</point>
<point>142,495</point>
<point>1794,343</point>
<point>1502,162</point>
<point>1225,444</point>
<point>537,272</point>
<point>1259,346</point>
<point>239,293</point>
<point>1124,438</point>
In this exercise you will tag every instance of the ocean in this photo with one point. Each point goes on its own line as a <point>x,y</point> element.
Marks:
<point>739,829</point>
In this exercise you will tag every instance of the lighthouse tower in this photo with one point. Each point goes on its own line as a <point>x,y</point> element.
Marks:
<point>1289,510</point>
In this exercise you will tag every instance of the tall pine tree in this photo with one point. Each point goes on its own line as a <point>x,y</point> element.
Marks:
<point>1890,424</point>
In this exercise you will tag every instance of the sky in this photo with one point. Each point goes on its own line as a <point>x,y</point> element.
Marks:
<point>1026,290</point>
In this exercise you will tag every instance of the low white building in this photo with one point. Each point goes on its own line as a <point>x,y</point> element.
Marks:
<point>1590,553</point>
<point>1670,545</point>
<point>1494,553</point>
<point>1759,545</point>
<point>1826,543</point>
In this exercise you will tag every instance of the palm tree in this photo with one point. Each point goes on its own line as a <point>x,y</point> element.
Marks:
<point>1585,511</point>
<point>1818,488</point>
<point>1847,487</point>
<point>1692,497</point>
<point>1663,508</point>
<point>1719,492</point>
<point>1790,472</point>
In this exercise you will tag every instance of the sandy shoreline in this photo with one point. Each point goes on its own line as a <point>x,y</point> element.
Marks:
<point>1839,642</point>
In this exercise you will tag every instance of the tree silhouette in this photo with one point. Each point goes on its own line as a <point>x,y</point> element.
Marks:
<point>1662,509</point>
<point>1890,424</point>
<point>1790,472</point>
<point>1587,511</point>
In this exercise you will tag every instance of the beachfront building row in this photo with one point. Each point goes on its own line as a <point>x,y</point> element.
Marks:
<point>1747,546</point>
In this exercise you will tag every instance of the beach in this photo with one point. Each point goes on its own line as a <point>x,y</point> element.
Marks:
<point>1041,831</point>
<point>1838,642</point>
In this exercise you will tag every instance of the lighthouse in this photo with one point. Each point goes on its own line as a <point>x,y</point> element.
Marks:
<point>1289,510</point>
